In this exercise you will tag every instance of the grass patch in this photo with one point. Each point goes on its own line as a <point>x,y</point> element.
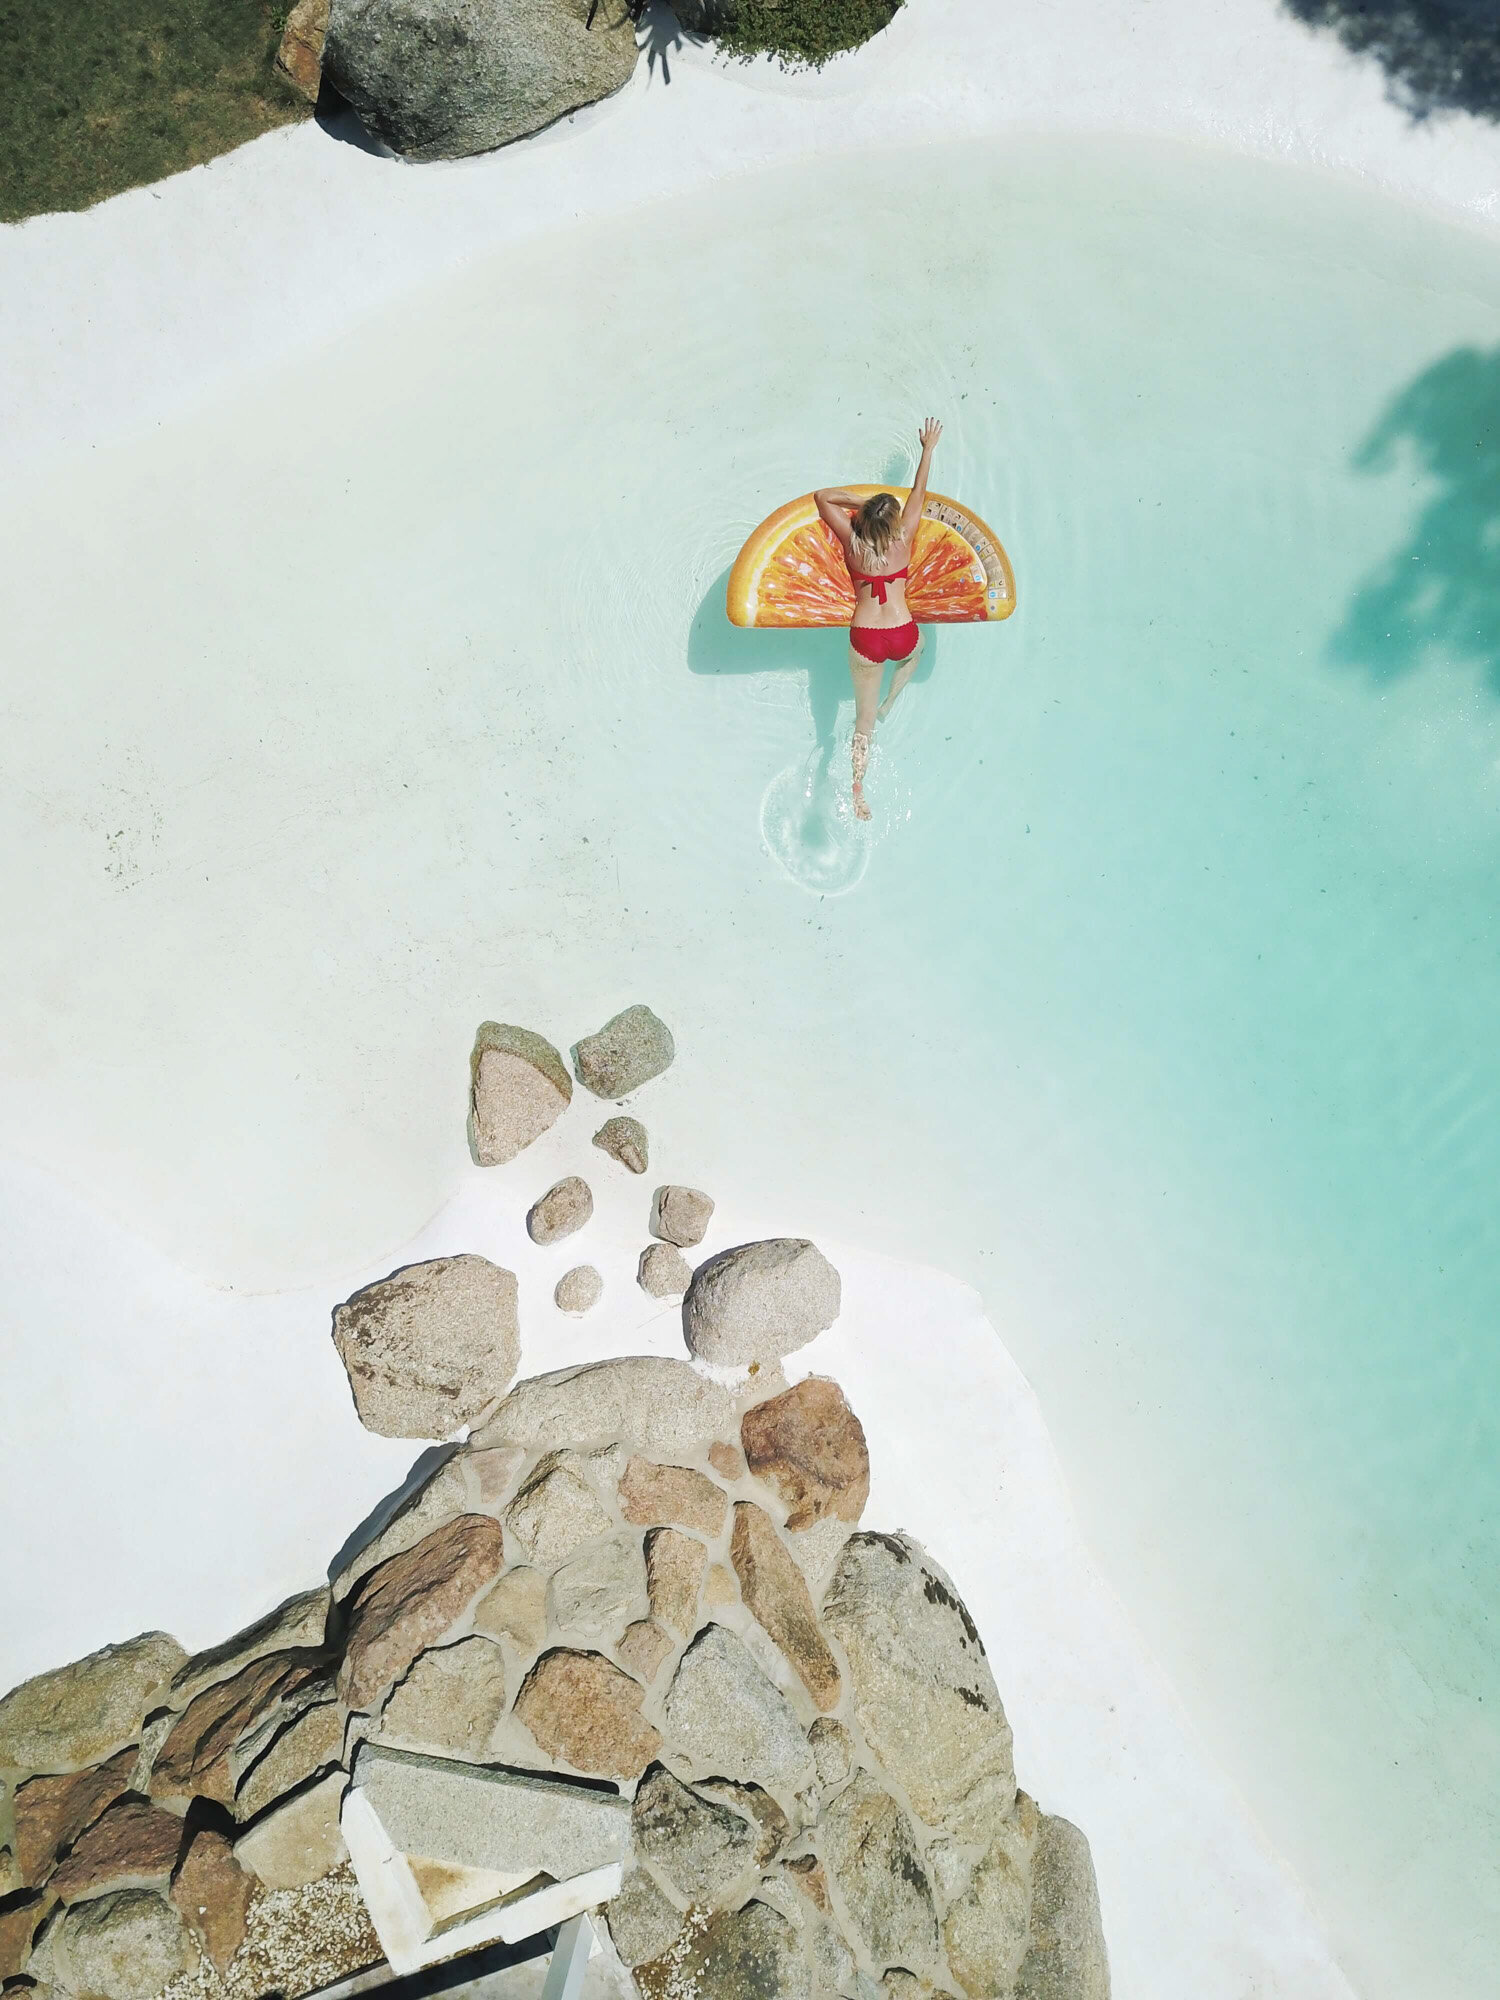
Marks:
<point>101,95</point>
<point>799,31</point>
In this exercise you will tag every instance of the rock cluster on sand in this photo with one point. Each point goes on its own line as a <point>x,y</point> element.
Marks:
<point>632,1577</point>
<point>681,1215</point>
<point>760,1302</point>
<point>578,1290</point>
<point>663,1271</point>
<point>438,79</point>
<point>518,1089</point>
<point>627,1052</point>
<point>624,1139</point>
<point>560,1211</point>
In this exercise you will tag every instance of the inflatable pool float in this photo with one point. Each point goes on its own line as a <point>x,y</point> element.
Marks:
<point>791,571</point>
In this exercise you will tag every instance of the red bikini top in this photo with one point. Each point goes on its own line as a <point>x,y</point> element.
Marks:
<point>878,583</point>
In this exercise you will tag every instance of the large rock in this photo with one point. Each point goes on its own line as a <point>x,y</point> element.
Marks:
<point>730,1720</point>
<point>642,1923</point>
<point>985,1930</point>
<point>581,1708</point>
<point>500,1820</point>
<point>655,1402</point>
<point>624,1139</point>
<point>759,1301</point>
<point>1065,1956</point>
<point>773,1588</point>
<point>627,1052</point>
<point>596,1595</point>
<point>299,1841</point>
<point>674,1576</point>
<point>82,1713</point>
<point>441,1498</point>
<point>578,1291</point>
<point>127,1946</point>
<point>285,1756</point>
<point>431,1347</point>
<point>451,1699</point>
<point>674,1495</point>
<point>298,1622</point>
<point>439,79</point>
<point>556,1511</point>
<point>132,1846</point>
<point>411,1601</point>
<point>564,1208</point>
<point>518,1084</point>
<point>19,1918</point>
<point>748,1954</point>
<point>663,1271</point>
<point>701,1848</point>
<point>924,1694</point>
<point>51,1813</point>
<point>194,1760</point>
<point>213,1894</point>
<point>809,1448</point>
<point>872,1856</point>
<point>681,1215</point>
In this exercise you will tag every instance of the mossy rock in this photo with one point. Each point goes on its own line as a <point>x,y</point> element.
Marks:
<point>798,31</point>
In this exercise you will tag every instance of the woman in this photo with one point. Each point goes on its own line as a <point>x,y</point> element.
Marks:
<point>877,537</point>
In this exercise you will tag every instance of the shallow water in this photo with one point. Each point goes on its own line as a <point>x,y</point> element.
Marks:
<point>1159,999</point>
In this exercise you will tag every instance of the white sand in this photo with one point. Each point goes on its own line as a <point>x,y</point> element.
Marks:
<point>190,1459</point>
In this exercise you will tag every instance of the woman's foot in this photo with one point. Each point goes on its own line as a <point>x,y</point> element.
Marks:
<point>861,807</point>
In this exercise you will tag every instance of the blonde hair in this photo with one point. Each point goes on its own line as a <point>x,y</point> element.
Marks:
<point>876,523</point>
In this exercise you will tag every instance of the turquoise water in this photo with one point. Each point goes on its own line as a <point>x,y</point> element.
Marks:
<point>1161,998</point>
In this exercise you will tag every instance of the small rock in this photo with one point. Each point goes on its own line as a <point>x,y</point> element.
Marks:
<point>213,1893</point>
<point>579,1290</point>
<point>681,1215</point>
<point>443,1497</point>
<point>701,1848</point>
<point>659,1404</point>
<point>582,1708</point>
<point>555,1512</point>
<point>594,1595</point>
<point>450,1700</point>
<point>299,59</point>
<point>286,1756</point>
<point>772,1827</point>
<point>985,1931</point>
<point>564,1208</point>
<point>18,1926</point>
<point>408,1604</point>
<point>771,1585</point>
<point>131,1846</point>
<point>833,1751</point>
<point>1065,1955</point>
<point>808,1875</point>
<point>299,1622</point>
<point>642,1648</point>
<point>298,1841</point>
<point>626,1053</point>
<point>674,1576</point>
<point>492,1475</point>
<point>642,1923</point>
<point>726,1461</point>
<point>431,1347</point>
<point>872,1857</point>
<point>924,1694</point>
<point>759,1301</point>
<point>809,1448</point>
<point>624,1139</point>
<point>51,1813</point>
<point>518,1088</point>
<point>194,1760</point>
<point>502,1821</point>
<point>82,1713</point>
<point>663,1271</point>
<point>652,1493</point>
<point>720,1589</point>
<point>516,1609</point>
<point>816,1551</point>
<point>730,1720</point>
<point>127,1946</point>
<point>748,1954</point>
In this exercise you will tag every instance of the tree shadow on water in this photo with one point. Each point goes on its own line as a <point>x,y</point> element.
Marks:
<point>1438,55</point>
<point>1439,593</point>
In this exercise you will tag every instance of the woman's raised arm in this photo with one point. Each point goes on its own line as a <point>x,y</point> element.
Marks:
<point>836,506</point>
<point>911,513</point>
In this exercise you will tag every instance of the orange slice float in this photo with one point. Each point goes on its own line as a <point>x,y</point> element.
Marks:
<point>791,571</point>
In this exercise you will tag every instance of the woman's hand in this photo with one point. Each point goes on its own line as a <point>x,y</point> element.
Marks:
<point>929,434</point>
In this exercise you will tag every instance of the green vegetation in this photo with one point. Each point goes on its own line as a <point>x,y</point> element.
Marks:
<point>799,31</point>
<point>101,95</point>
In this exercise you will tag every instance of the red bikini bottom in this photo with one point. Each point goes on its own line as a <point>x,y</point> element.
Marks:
<point>879,643</point>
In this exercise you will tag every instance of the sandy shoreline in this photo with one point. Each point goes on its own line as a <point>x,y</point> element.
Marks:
<point>249,1404</point>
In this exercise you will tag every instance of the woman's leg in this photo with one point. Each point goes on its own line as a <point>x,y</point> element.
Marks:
<point>867,676</point>
<point>902,675</point>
